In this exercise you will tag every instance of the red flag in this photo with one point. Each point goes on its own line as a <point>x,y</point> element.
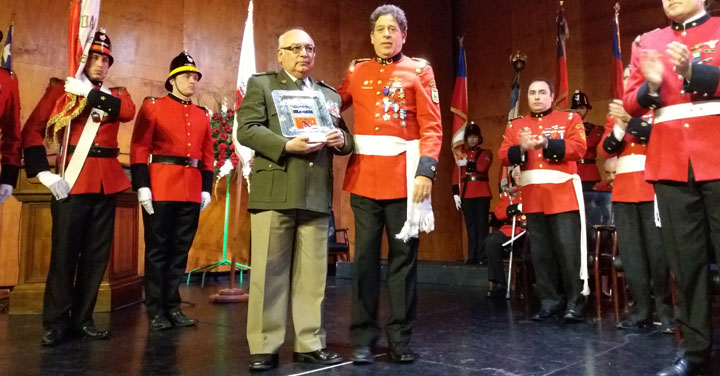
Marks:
<point>459,103</point>
<point>617,66</point>
<point>561,78</point>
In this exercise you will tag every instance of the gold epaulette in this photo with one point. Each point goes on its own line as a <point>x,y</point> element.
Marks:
<point>509,124</point>
<point>422,63</point>
<point>639,37</point>
<point>120,89</point>
<point>264,73</point>
<point>351,68</point>
<point>152,99</point>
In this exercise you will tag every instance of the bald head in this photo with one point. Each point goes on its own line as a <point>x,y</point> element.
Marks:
<point>296,52</point>
<point>610,165</point>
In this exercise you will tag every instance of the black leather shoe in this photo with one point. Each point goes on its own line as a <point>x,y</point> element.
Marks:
<point>683,367</point>
<point>160,322</point>
<point>544,315</point>
<point>400,352</point>
<point>632,324</point>
<point>322,356</point>
<point>263,362</point>
<point>178,319</point>
<point>54,337</point>
<point>572,316</point>
<point>90,332</point>
<point>497,292</point>
<point>362,355</point>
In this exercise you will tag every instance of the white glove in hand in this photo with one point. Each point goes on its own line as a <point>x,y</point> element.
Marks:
<point>59,187</point>
<point>461,162</point>
<point>204,200</point>
<point>458,202</point>
<point>77,87</point>
<point>145,198</point>
<point>5,192</point>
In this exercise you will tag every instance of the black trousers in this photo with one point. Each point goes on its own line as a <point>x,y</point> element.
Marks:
<point>688,210</point>
<point>495,254</point>
<point>644,260</point>
<point>371,218</point>
<point>82,234</point>
<point>475,210</point>
<point>555,251</point>
<point>169,233</point>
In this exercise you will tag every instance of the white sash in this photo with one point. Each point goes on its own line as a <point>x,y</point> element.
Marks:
<point>686,110</point>
<point>546,176</point>
<point>631,163</point>
<point>419,214</point>
<point>87,137</point>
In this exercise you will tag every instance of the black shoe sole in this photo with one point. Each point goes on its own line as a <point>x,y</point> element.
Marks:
<point>302,358</point>
<point>362,361</point>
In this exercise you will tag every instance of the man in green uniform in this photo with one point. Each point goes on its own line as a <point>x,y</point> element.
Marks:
<point>290,199</point>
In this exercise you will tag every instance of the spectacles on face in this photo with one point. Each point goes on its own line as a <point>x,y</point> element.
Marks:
<point>297,48</point>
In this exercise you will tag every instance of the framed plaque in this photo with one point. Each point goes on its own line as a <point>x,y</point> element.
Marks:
<point>302,113</point>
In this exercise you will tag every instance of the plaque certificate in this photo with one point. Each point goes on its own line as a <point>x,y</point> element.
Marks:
<point>302,113</point>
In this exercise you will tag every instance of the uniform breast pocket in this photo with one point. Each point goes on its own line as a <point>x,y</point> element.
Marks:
<point>268,182</point>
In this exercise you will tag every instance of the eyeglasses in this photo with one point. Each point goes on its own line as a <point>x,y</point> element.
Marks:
<point>297,48</point>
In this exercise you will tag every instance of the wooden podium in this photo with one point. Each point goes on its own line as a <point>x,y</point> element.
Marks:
<point>121,286</point>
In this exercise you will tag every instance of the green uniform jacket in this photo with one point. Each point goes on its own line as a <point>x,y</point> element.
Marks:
<point>279,180</point>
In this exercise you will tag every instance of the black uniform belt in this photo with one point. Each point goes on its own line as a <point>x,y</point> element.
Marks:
<point>175,160</point>
<point>587,161</point>
<point>98,152</point>
<point>476,178</point>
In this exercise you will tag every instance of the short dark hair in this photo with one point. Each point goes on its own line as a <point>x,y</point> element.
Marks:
<point>545,80</point>
<point>392,10</point>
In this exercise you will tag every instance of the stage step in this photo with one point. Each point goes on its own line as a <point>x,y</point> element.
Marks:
<point>434,272</point>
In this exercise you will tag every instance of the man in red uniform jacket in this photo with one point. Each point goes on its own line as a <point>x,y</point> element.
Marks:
<point>509,207</point>
<point>587,168</point>
<point>396,108</point>
<point>83,216</point>
<point>10,124</point>
<point>546,144</point>
<point>643,256</point>
<point>472,192</point>
<point>172,170</point>
<point>675,73</point>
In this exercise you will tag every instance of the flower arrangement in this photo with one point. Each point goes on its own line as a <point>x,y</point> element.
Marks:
<point>221,127</point>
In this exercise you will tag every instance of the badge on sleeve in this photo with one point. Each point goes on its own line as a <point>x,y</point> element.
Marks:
<point>435,95</point>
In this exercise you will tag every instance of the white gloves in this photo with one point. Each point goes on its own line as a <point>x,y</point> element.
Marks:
<point>77,87</point>
<point>461,162</point>
<point>458,202</point>
<point>59,187</point>
<point>204,200</point>
<point>5,192</point>
<point>145,198</point>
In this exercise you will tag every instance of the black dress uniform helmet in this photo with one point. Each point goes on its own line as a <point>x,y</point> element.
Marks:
<point>580,99</point>
<point>180,64</point>
<point>473,129</point>
<point>101,45</point>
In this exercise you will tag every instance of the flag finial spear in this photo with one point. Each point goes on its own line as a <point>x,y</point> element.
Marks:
<point>617,7</point>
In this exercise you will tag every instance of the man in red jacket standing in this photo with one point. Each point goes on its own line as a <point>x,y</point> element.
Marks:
<point>675,73</point>
<point>10,124</point>
<point>398,134</point>
<point>83,215</point>
<point>587,167</point>
<point>546,144</point>
<point>172,171</point>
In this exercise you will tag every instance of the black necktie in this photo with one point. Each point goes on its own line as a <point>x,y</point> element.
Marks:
<point>301,84</point>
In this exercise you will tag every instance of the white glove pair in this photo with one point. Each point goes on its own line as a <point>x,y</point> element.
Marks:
<point>77,87</point>
<point>145,198</point>
<point>59,187</point>
<point>5,192</point>
<point>458,201</point>
<point>461,162</point>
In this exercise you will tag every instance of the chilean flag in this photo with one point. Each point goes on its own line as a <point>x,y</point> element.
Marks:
<point>561,78</point>
<point>459,103</point>
<point>617,66</point>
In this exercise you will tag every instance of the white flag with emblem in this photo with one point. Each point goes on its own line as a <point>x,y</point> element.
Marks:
<point>246,68</point>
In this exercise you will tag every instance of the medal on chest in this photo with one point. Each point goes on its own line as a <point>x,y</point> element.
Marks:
<point>393,101</point>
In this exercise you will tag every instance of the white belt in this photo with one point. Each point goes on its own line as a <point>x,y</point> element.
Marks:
<point>419,215</point>
<point>631,163</point>
<point>687,110</point>
<point>546,176</point>
<point>380,145</point>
